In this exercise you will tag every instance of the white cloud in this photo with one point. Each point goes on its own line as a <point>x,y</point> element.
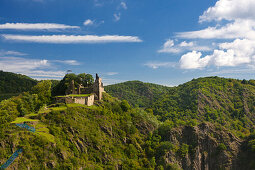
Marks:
<point>36,68</point>
<point>117,16</point>
<point>20,65</point>
<point>239,26</point>
<point>170,47</point>
<point>69,62</point>
<point>94,23</point>
<point>123,5</point>
<point>193,60</point>
<point>156,64</point>
<point>65,39</point>
<point>111,73</point>
<point>45,74</point>
<point>35,26</point>
<point>185,44</point>
<point>13,53</point>
<point>236,53</point>
<point>230,10</point>
<point>88,22</point>
<point>237,29</point>
<point>240,17</point>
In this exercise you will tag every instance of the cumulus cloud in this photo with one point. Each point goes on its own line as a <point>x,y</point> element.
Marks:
<point>193,60</point>
<point>35,26</point>
<point>156,64</point>
<point>236,53</point>
<point>66,39</point>
<point>238,28</point>
<point>230,10</point>
<point>88,22</point>
<point>240,17</point>
<point>170,47</point>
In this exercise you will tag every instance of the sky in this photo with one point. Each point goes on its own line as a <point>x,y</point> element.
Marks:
<point>166,42</point>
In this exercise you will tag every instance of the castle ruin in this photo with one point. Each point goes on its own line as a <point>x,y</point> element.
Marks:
<point>83,95</point>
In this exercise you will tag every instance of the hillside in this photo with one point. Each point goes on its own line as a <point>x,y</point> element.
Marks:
<point>138,93</point>
<point>12,84</point>
<point>206,123</point>
<point>108,135</point>
<point>228,102</point>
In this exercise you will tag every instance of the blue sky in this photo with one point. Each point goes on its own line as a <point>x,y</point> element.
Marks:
<point>165,42</point>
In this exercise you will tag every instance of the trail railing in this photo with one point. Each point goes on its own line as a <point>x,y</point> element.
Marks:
<point>11,159</point>
<point>32,129</point>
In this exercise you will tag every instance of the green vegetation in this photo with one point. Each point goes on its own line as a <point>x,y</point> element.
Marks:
<point>221,147</point>
<point>85,79</point>
<point>22,120</point>
<point>105,136</point>
<point>12,84</point>
<point>151,127</point>
<point>227,102</point>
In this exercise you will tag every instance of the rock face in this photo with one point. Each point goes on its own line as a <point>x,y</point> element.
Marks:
<point>209,148</point>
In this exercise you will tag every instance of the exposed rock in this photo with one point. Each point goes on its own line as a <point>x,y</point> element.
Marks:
<point>204,152</point>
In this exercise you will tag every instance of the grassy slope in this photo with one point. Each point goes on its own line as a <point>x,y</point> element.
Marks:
<point>102,136</point>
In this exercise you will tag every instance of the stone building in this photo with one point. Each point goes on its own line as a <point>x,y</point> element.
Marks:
<point>81,94</point>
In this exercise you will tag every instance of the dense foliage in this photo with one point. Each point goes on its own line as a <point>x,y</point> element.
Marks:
<point>83,79</point>
<point>228,102</point>
<point>12,84</point>
<point>113,134</point>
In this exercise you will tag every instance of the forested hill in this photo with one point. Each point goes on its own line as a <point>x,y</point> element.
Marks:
<point>207,123</point>
<point>229,102</point>
<point>138,93</point>
<point>12,84</point>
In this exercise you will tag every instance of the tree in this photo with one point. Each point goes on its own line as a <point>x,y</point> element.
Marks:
<point>89,80</point>
<point>125,106</point>
<point>43,90</point>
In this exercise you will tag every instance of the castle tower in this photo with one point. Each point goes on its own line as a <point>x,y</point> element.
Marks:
<point>98,87</point>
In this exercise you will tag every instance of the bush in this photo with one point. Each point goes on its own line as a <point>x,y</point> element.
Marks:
<point>221,147</point>
<point>125,106</point>
<point>184,149</point>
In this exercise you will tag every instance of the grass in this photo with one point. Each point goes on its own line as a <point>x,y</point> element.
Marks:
<point>60,96</point>
<point>76,95</point>
<point>42,130</point>
<point>31,114</point>
<point>76,105</point>
<point>93,107</point>
<point>44,110</point>
<point>48,136</point>
<point>60,108</point>
<point>23,119</point>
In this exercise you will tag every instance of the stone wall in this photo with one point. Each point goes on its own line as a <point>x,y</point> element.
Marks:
<point>89,101</point>
<point>86,100</point>
<point>79,100</point>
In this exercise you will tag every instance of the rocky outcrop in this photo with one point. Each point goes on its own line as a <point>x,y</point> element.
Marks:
<point>209,148</point>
